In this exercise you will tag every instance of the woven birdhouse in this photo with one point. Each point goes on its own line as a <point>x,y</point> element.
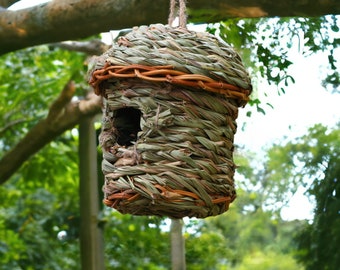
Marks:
<point>171,98</point>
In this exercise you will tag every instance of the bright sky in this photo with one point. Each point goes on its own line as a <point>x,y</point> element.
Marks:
<point>304,104</point>
<point>27,3</point>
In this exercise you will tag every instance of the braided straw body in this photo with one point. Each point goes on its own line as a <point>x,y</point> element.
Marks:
<point>171,101</point>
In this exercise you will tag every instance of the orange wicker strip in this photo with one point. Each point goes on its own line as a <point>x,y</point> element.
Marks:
<point>167,74</point>
<point>174,195</point>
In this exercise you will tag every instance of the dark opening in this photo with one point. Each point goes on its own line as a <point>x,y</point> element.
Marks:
<point>127,124</point>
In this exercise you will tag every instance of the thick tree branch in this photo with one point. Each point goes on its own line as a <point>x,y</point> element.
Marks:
<point>63,115</point>
<point>7,3</point>
<point>219,10</point>
<point>61,20</point>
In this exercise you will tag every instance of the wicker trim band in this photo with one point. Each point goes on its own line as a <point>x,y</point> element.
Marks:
<point>168,74</point>
<point>171,195</point>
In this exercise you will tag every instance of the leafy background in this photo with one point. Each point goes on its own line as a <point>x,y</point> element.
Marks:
<point>39,212</point>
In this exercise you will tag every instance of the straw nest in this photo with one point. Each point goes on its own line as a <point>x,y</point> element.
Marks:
<point>171,101</point>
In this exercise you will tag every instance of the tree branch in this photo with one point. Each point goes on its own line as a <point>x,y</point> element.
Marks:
<point>7,3</point>
<point>11,124</point>
<point>63,115</point>
<point>73,19</point>
<point>92,47</point>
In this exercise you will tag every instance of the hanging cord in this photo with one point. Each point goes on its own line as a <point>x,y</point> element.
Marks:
<point>181,13</point>
<point>172,12</point>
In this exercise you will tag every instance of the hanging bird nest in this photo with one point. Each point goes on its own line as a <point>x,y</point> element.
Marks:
<point>171,101</point>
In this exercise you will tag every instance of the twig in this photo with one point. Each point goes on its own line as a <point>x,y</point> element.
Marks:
<point>11,124</point>
<point>93,47</point>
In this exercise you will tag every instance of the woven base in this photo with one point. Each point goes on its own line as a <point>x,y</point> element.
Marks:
<point>181,164</point>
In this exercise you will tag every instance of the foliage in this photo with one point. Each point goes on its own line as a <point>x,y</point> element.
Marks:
<point>38,204</point>
<point>313,161</point>
<point>268,260</point>
<point>267,47</point>
<point>136,242</point>
<point>206,242</point>
<point>266,43</point>
<point>41,200</point>
<point>317,157</point>
<point>36,77</point>
<point>268,182</point>
<point>233,239</point>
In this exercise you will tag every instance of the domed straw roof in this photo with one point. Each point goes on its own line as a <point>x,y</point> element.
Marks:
<point>175,55</point>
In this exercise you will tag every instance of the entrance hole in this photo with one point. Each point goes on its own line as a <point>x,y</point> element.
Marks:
<point>127,124</point>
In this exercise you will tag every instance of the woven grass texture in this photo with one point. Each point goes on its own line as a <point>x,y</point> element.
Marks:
<point>171,101</point>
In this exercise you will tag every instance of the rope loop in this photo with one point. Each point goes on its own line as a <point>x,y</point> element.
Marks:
<point>181,13</point>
